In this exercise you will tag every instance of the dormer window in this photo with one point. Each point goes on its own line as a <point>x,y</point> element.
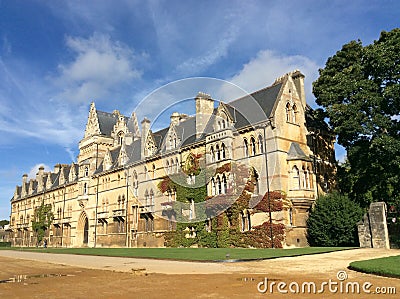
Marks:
<point>120,137</point>
<point>150,146</point>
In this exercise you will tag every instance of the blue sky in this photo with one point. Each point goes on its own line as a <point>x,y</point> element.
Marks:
<point>58,56</point>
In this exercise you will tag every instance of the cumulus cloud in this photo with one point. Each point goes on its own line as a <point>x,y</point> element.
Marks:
<point>262,71</point>
<point>99,67</point>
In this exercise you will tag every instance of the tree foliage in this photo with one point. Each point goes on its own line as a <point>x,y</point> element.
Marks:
<point>359,89</point>
<point>42,219</point>
<point>333,221</point>
<point>4,222</point>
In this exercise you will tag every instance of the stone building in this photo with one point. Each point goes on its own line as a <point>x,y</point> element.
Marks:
<point>110,196</point>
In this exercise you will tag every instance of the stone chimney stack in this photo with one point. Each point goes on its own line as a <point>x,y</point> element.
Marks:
<point>57,168</point>
<point>175,118</point>
<point>298,79</point>
<point>145,131</point>
<point>39,178</point>
<point>24,183</point>
<point>49,183</point>
<point>204,110</point>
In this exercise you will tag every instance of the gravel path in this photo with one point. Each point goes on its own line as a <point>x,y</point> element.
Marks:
<point>325,263</point>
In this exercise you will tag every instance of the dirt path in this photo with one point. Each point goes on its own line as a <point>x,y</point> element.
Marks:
<point>39,275</point>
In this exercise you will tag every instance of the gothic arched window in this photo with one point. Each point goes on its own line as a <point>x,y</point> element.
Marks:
<point>253,146</point>
<point>295,178</point>
<point>246,148</point>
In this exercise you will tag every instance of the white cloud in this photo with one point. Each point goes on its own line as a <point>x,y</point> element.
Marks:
<point>268,65</point>
<point>197,64</point>
<point>100,66</point>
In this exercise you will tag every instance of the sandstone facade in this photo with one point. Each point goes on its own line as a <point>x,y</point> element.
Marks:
<point>110,196</point>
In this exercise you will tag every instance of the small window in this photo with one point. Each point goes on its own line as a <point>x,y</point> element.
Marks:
<point>86,171</point>
<point>260,144</point>
<point>213,188</point>
<point>177,165</point>
<point>295,178</point>
<point>294,112</point>
<point>219,185</point>
<point>120,138</point>
<point>224,184</point>
<point>288,112</point>
<point>246,148</point>
<point>253,146</point>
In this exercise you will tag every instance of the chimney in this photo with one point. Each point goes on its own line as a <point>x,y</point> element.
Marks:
<point>30,190</point>
<point>57,168</point>
<point>61,178</point>
<point>298,79</point>
<point>145,130</point>
<point>39,178</point>
<point>24,179</point>
<point>49,183</point>
<point>204,110</point>
<point>24,182</point>
<point>175,117</point>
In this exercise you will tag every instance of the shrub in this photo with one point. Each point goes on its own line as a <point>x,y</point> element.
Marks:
<point>5,244</point>
<point>333,221</point>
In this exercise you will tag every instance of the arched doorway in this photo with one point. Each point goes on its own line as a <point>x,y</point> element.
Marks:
<point>83,230</point>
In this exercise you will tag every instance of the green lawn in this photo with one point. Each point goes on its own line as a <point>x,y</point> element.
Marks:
<point>194,254</point>
<point>386,266</point>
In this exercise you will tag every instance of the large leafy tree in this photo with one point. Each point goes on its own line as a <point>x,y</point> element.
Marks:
<point>359,90</point>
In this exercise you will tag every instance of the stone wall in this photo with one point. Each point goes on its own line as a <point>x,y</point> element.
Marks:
<point>372,230</point>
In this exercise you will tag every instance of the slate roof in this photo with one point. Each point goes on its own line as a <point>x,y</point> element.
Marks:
<point>296,153</point>
<point>106,122</point>
<point>255,107</point>
<point>246,110</point>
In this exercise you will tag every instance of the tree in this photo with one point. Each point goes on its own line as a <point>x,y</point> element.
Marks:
<point>359,90</point>
<point>4,222</point>
<point>42,219</point>
<point>333,221</point>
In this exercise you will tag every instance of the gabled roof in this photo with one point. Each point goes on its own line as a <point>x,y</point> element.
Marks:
<point>296,153</point>
<point>107,122</point>
<point>256,107</point>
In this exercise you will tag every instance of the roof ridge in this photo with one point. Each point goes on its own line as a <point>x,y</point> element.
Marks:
<point>256,92</point>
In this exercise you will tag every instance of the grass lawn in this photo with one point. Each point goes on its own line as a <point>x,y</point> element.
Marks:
<point>193,254</point>
<point>386,266</point>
